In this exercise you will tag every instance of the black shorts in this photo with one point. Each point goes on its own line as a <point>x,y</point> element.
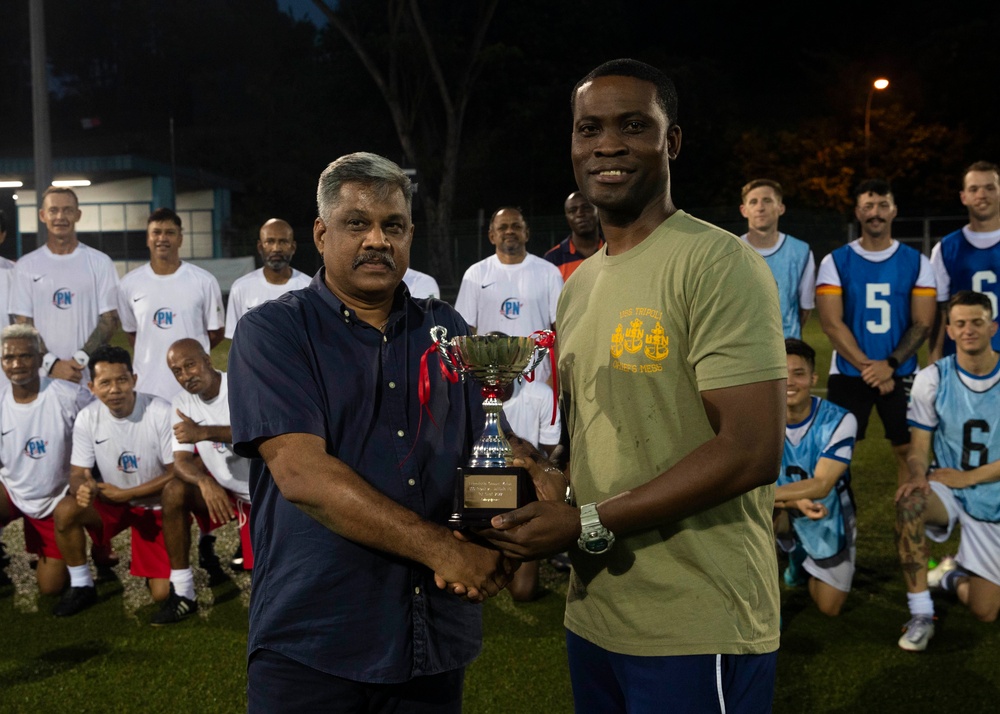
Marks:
<point>858,398</point>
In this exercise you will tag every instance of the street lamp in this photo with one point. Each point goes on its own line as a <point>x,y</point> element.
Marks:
<point>879,84</point>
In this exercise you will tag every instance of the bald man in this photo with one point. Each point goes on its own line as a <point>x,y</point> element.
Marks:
<point>584,239</point>
<point>276,246</point>
<point>212,483</point>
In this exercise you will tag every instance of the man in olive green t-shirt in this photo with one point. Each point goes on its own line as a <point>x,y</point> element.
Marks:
<point>672,367</point>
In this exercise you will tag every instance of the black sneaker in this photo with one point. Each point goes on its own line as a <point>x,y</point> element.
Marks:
<point>75,600</point>
<point>175,609</point>
<point>207,558</point>
<point>237,560</point>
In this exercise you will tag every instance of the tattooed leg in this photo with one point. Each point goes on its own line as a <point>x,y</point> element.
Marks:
<point>911,543</point>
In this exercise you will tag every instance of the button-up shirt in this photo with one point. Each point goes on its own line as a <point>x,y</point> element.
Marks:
<point>305,363</point>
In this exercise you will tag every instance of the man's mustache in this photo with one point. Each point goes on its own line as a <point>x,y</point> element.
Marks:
<point>374,256</point>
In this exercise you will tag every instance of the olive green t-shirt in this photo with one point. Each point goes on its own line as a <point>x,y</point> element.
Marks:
<point>690,309</point>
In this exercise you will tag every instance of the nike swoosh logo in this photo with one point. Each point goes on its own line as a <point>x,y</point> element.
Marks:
<point>6,432</point>
<point>101,441</point>
<point>138,298</point>
<point>488,284</point>
<point>35,280</point>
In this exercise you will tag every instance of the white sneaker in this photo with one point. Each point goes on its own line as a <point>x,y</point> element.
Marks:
<point>917,633</point>
<point>935,574</point>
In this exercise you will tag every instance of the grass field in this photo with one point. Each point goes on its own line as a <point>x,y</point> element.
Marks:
<point>109,660</point>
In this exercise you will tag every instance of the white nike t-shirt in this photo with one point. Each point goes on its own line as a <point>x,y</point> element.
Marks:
<point>529,413</point>
<point>130,451</point>
<point>35,444</point>
<point>253,289</point>
<point>64,294</point>
<point>421,285</point>
<point>514,299</point>
<point>231,471</point>
<point>161,309</point>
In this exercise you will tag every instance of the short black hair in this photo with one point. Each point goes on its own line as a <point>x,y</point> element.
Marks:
<point>879,187</point>
<point>164,214</point>
<point>112,355</point>
<point>666,92</point>
<point>794,346</point>
<point>969,297</point>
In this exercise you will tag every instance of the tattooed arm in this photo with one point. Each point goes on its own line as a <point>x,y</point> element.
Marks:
<point>107,325</point>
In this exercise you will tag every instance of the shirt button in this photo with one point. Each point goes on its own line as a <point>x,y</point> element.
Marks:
<point>412,482</point>
<point>347,313</point>
<point>385,338</point>
<point>416,590</point>
<point>392,385</point>
<point>400,433</point>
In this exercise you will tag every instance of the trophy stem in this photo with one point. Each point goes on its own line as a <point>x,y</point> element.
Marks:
<point>492,447</point>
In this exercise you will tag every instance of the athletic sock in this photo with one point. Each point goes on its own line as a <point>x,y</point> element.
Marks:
<point>920,603</point>
<point>949,581</point>
<point>80,576</point>
<point>183,582</point>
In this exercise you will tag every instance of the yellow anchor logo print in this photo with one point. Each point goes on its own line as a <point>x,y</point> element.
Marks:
<point>656,343</point>
<point>617,340</point>
<point>633,336</point>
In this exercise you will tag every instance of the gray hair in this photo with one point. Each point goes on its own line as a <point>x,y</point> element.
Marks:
<point>365,168</point>
<point>21,332</point>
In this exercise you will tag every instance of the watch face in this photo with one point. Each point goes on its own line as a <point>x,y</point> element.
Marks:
<point>597,546</point>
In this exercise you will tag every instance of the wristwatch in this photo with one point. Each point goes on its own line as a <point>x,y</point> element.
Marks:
<point>594,537</point>
<point>892,362</point>
<point>81,358</point>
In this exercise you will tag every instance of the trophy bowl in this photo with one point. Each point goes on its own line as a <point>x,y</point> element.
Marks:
<point>489,484</point>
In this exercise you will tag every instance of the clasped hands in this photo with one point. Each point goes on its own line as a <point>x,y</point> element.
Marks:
<point>541,528</point>
<point>878,375</point>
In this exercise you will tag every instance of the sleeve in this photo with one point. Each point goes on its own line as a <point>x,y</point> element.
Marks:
<point>263,401</point>
<point>20,293</point>
<point>921,412</point>
<point>841,444</point>
<point>433,289</point>
<point>83,441</point>
<point>941,278</point>
<point>179,402</point>
<point>735,336</point>
<point>165,432</point>
<point>467,302</point>
<point>548,433</point>
<point>555,287</point>
<point>807,285</point>
<point>231,314</point>
<point>828,277</point>
<point>214,315</point>
<point>107,286</point>
<point>926,285</point>
<point>125,312</point>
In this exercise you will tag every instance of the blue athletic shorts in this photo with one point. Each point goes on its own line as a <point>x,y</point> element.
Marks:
<point>610,683</point>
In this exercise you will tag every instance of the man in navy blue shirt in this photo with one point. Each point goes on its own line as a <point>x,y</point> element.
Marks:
<point>352,483</point>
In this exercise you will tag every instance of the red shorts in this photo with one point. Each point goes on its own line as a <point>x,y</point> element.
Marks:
<point>149,552</point>
<point>39,533</point>
<point>243,515</point>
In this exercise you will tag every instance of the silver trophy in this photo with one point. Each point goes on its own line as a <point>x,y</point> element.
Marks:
<point>490,484</point>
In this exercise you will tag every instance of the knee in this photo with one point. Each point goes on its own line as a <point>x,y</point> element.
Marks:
<point>987,613</point>
<point>65,514</point>
<point>830,609</point>
<point>173,496</point>
<point>911,506</point>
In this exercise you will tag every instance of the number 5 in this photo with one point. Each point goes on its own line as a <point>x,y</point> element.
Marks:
<point>874,301</point>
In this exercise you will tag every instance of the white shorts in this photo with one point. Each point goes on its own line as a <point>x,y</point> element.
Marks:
<point>979,542</point>
<point>838,571</point>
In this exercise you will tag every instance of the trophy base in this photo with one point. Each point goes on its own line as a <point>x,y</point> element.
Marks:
<point>482,492</point>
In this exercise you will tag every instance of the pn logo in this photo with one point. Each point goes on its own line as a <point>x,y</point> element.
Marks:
<point>62,298</point>
<point>128,462</point>
<point>511,308</point>
<point>163,318</point>
<point>220,447</point>
<point>34,447</point>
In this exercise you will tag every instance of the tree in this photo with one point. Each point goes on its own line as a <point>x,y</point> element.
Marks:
<point>413,62</point>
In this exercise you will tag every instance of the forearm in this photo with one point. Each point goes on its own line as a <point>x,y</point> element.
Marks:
<point>810,488</point>
<point>986,474</point>
<point>150,488</point>
<point>107,325</point>
<point>843,341</point>
<point>222,433</point>
<point>187,469</point>
<point>338,498</point>
<point>937,334</point>
<point>745,453</point>
<point>910,342</point>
